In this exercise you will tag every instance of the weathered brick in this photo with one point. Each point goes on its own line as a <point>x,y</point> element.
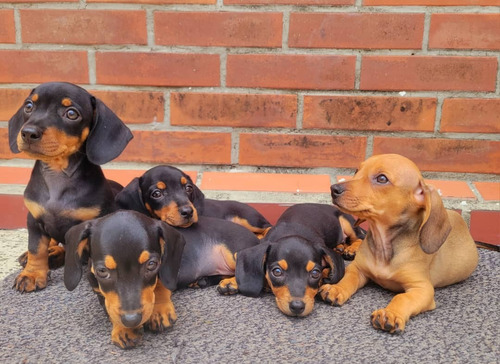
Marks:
<point>490,191</point>
<point>5,152</point>
<point>10,101</point>
<point>157,69</point>
<point>226,29</point>
<point>484,226</point>
<point>301,150</point>
<point>37,1</point>
<point>83,26</point>
<point>471,115</point>
<point>317,72</point>
<point>356,30</point>
<point>30,66</point>
<point>444,155</point>
<point>369,113</point>
<point>428,73</point>
<point>160,2</point>
<point>236,110</point>
<point>8,29</point>
<point>465,31</point>
<point>432,2</point>
<point>134,107</point>
<point>289,2</point>
<point>178,147</point>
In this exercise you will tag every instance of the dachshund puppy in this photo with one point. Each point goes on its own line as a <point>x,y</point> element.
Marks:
<point>167,193</point>
<point>69,133</point>
<point>413,243</point>
<point>295,258</point>
<point>127,252</point>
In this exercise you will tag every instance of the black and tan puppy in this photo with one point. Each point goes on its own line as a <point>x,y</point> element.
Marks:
<point>69,133</point>
<point>133,266</point>
<point>167,193</point>
<point>295,258</point>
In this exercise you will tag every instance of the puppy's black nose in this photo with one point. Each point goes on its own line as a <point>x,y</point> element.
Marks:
<point>186,211</point>
<point>297,307</point>
<point>337,189</point>
<point>131,319</point>
<point>31,134</point>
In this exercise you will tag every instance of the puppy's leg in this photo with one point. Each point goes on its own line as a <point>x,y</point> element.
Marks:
<point>418,297</point>
<point>124,337</point>
<point>56,254</point>
<point>338,294</point>
<point>228,286</point>
<point>163,316</point>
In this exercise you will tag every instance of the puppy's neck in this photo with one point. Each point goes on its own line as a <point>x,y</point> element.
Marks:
<point>67,166</point>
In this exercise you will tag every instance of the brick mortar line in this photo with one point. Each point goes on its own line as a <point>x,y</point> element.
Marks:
<point>92,67</point>
<point>299,125</point>
<point>235,147</point>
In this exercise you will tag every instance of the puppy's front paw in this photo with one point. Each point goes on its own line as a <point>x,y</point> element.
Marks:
<point>126,338</point>
<point>333,294</point>
<point>386,320</point>
<point>228,286</point>
<point>163,317</point>
<point>56,256</point>
<point>29,281</point>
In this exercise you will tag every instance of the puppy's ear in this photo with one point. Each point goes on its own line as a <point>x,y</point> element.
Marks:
<point>198,199</point>
<point>336,264</point>
<point>172,245</point>
<point>109,135</point>
<point>436,225</point>
<point>250,269</point>
<point>77,249</point>
<point>130,198</point>
<point>16,122</point>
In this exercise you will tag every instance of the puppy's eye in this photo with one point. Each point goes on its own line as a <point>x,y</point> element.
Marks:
<point>152,264</point>
<point>277,272</point>
<point>315,273</point>
<point>382,179</point>
<point>72,114</point>
<point>189,189</point>
<point>28,107</point>
<point>102,273</point>
<point>156,194</point>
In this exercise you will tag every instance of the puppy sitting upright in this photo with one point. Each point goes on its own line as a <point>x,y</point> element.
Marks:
<point>69,133</point>
<point>295,258</point>
<point>413,244</point>
<point>127,253</point>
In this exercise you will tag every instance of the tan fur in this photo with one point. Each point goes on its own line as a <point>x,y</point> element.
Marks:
<point>413,244</point>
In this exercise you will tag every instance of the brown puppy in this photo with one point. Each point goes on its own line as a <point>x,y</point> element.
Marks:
<point>413,244</point>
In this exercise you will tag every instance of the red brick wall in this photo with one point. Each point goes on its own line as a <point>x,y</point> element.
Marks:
<point>272,83</point>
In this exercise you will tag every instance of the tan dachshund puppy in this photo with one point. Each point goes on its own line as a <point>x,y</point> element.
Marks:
<point>413,244</point>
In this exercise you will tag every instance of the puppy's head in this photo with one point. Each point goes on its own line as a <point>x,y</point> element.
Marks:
<point>127,253</point>
<point>165,193</point>
<point>293,268</point>
<point>60,119</point>
<point>389,191</point>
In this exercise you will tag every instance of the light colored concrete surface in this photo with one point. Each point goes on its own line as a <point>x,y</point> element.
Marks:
<point>12,244</point>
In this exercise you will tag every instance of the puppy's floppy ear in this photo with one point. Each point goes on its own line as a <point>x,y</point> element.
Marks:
<point>336,263</point>
<point>77,249</point>
<point>109,135</point>
<point>436,225</point>
<point>250,269</point>
<point>16,122</point>
<point>198,199</point>
<point>130,198</point>
<point>172,245</point>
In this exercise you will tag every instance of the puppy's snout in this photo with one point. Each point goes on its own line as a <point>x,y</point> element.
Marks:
<point>297,307</point>
<point>186,211</point>
<point>31,134</point>
<point>337,189</point>
<point>131,319</point>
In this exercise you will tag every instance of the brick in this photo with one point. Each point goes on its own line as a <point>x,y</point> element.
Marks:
<point>37,1</point>
<point>14,175</point>
<point>160,2</point>
<point>490,191</point>
<point>289,2</point>
<point>356,30</point>
<point>369,113</point>
<point>13,214</point>
<point>484,226</point>
<point>178,147</point>
<point>224,29</point>
<point>79,26</point>
<point>157,69</point>
<point>10,101</point>
<point>271,211</point>
<point>432,2</point>
<point>265,182</point>
<point>428,73</point>
<point>28,66</point>
<point>235,110</point>
<point>301,150</point>
<point>444,155</point>
<point>134,107</point>
<point>471,115</point>
<point>317,72</point>
<point>5,152</point>
<point>452,189</point>
<point>465,31</point>
<point>8,28</point>
<point>124,176</point>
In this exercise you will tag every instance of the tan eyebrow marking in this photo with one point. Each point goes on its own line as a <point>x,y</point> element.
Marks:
<point>184,180</point>
<point>143,258</point>
<point>110,262</point>
<point>283,264</point>
<point>161,185</point>
<point>34,97</point>
<point>66,102</point>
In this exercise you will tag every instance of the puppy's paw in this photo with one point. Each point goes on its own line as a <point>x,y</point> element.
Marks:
<point>228,286</point>
<point>29,281</point>
<point>56,256</point>
<point>163,317</point>
<point>23,259</point>
<point>333,294</point>
<point>126,338</point>
<point>386,320</point>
